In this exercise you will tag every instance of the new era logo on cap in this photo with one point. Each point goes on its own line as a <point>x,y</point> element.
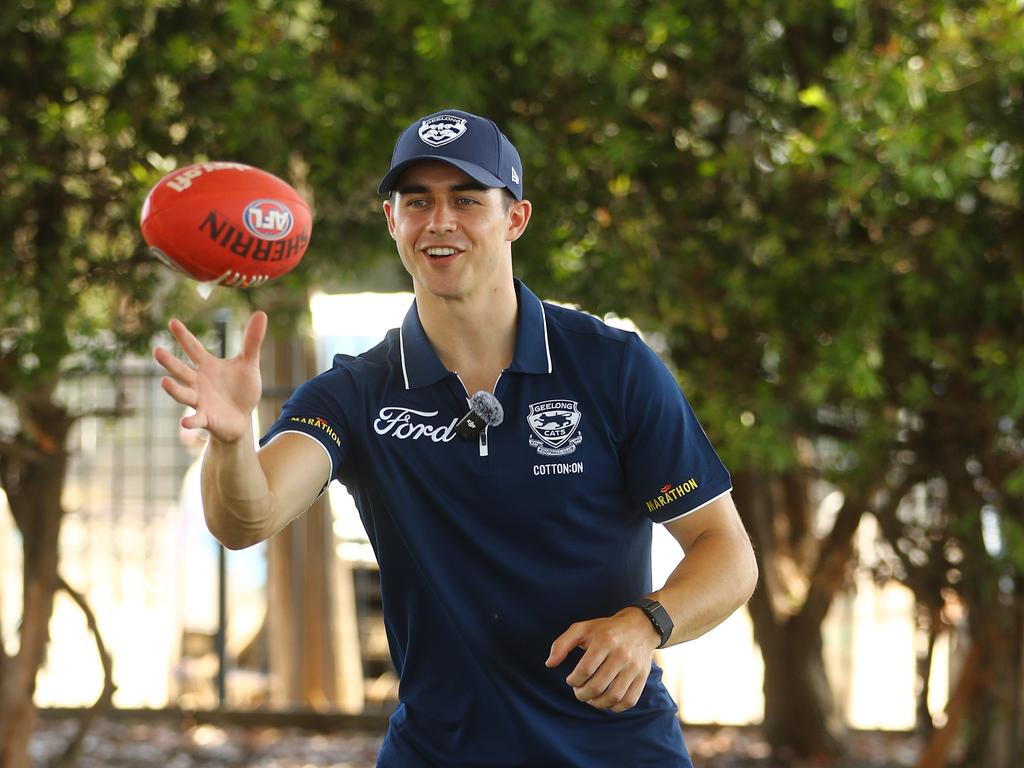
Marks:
<point>471,143</point>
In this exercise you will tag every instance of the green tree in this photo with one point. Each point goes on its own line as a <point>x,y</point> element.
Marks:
<point>98,100</point>
<point>813,209</point>
<point>817,210</point>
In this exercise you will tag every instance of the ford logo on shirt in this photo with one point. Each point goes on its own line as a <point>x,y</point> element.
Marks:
<point>400,423</point>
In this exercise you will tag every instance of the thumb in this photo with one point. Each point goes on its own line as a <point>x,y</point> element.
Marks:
<point>196,420</point>
<point>573,637</point>
<point>255,330</point>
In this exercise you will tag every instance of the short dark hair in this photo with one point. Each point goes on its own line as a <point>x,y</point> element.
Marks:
<point>508,198</point>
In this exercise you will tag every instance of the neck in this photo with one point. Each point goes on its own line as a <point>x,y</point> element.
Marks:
<point>473,335</point>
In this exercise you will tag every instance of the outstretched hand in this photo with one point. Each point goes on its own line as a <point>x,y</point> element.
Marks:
<point>222,392</point>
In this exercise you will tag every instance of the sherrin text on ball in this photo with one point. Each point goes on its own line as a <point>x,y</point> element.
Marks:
<point>226,223</point>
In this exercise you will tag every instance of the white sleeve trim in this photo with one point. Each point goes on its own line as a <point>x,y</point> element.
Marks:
<point>330,460</point>
<point>691,511</point>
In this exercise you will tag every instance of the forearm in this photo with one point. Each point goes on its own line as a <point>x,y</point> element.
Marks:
<point>717,576</point>
<point>236,497</point>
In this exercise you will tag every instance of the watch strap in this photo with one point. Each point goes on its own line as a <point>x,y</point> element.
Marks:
<point>658,617</point>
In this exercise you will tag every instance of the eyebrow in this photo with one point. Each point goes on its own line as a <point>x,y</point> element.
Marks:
<point>419,189</point>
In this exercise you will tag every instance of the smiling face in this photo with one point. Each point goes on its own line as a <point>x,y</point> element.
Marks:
<point>454,235</point>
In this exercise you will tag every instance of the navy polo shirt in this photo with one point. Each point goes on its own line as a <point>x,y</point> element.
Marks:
<point>490,548</point>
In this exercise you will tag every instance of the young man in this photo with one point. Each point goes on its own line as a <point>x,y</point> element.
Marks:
<point>515,562</point>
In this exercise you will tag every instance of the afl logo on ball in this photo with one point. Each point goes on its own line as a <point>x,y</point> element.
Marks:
<point>268,219</point>
<point>441,130</point>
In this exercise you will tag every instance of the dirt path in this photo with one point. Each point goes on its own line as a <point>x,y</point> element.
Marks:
<point>117,744</point>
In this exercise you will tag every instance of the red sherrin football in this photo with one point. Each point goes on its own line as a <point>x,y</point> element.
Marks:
<point>227,223</point>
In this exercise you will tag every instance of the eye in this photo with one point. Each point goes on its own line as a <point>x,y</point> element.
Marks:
<point>416,202</point>
<point>466,201</point>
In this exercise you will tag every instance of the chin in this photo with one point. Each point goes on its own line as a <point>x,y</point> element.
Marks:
<point>449,294</point>
<point>442,289</point>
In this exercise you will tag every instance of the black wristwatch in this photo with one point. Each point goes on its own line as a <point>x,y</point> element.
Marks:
<point>659,617</point>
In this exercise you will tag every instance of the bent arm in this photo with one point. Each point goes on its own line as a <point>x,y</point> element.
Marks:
<point>249,496</point>
<point>717,574</point>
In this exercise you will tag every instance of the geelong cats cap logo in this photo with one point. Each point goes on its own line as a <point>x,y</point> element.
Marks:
<point>441,130</point>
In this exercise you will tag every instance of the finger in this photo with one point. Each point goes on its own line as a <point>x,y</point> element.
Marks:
<point>595,686</point>
<point>613,692</point>
<point>178,368</point>
<point>252,339</point>
<point>192,346</point>
<point>565,642</point>
<point>632,695</point>
<point>181,393</point>
<point>586,668</point>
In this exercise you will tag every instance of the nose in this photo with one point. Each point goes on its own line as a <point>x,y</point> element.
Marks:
<point>442,218</point>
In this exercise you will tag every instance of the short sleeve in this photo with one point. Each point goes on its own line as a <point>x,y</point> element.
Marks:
<point>670,466</point>
<point>313,410</point>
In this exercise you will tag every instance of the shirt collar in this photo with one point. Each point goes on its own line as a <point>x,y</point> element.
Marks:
<point>532,353</point>
<point>421,366</point>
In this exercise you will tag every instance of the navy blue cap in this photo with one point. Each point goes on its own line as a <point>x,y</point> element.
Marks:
<point>471,143</point>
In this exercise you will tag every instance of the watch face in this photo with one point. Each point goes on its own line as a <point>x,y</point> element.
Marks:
<point>656,622</point>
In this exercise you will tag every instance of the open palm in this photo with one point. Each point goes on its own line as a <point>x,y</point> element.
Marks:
<point>222,392</point>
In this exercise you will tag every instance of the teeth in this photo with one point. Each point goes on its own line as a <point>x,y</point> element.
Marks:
<point>440,251</point>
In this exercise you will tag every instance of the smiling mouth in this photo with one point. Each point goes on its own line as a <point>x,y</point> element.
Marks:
<point>440,252</point>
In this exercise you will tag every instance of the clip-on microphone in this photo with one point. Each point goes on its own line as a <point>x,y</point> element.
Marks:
<point>485,411</point>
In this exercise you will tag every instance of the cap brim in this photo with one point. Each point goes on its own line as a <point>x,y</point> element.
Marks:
<point>485,177</point>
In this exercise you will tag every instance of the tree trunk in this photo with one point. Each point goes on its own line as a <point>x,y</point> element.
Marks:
<point>928,622</point>
<point>800,718</point>
<point>32,472</point>
<point>800,715</point>
<point>70,757</point>
<point>1017,667</point>
<point>301,612</point>
<point>308,666</point>
<point>989,708</point>
<point>935,753</point>
<point>985,701</point>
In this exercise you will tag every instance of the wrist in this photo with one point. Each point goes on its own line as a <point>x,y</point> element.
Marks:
<point>643,625</point>
<point>234,440</point>
<point>658,618</point>
<point>226,445</point>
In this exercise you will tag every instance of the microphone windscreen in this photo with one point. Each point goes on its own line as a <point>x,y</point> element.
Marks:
<point>488,407</point>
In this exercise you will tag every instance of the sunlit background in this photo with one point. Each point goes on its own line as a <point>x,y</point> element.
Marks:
<point>135,542</point>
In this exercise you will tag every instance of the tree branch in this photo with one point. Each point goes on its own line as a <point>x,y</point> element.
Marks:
<point>68,759</point>
<point>21,451</point>
<point>3,653</point>
<point>99,271</point>
<point>829,571</point>
<point>885,514</point>
<point>117,412</point>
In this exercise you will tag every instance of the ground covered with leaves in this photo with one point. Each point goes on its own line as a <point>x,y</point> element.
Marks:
<point>126,744</point>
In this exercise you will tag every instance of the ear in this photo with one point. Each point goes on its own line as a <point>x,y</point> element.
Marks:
<point>389,213</point>
<point>518,218</point>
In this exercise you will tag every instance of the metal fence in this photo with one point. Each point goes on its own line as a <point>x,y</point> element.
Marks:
<point>124,544</point>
